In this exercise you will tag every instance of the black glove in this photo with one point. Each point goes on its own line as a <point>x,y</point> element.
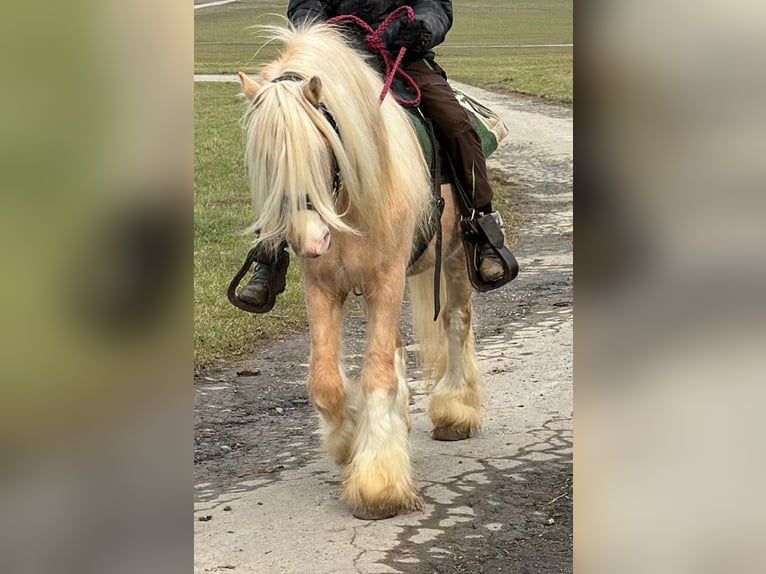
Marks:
<point>411,35</point>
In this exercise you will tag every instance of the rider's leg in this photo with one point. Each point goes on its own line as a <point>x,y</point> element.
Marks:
<point>461,142</point>
<point>267,282</point>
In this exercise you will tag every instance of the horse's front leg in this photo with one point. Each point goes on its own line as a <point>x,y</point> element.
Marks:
<point>378,481</point>
<point>326,382</point>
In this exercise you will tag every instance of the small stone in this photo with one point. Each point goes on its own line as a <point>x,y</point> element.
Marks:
<point>249,373</point>
<point>205,518</point>
<point>280,410</point>
<point>227,508</point>
<point>542,518</point>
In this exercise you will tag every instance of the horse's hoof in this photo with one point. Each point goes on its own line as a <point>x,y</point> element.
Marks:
<point>369,514</point>
<point>451,433</point>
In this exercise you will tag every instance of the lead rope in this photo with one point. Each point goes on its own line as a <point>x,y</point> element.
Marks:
<point>375,44</point>
<point>374,41</point>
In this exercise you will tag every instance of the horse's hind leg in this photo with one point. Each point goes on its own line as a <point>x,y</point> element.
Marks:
<point>378,481</point>
<point>327,385</point>
<point>402,390</point>
<point>455,407</point>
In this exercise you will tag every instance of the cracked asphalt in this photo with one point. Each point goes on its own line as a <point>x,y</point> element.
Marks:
<point>267,497</point>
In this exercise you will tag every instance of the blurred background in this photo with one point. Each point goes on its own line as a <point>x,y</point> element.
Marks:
<point>96,149</point>
<point>670,266</point>
<point>96,358</point>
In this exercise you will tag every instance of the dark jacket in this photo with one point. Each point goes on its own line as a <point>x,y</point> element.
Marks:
<point>434,15</point>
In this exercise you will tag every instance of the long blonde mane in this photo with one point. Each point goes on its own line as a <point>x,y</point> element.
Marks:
<point>287,156</point>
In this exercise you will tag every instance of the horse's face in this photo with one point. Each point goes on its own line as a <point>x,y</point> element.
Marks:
<point>308,235</point>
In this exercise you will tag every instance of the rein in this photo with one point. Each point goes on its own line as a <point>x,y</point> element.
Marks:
<point>376,45</point>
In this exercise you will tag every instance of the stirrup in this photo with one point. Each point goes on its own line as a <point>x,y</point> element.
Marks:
<point>279,272</point>
<point>484,229</point>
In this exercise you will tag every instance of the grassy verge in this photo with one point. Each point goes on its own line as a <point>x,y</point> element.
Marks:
<point>221,212</point>
<point>482,48</point>
<point>546,73</point>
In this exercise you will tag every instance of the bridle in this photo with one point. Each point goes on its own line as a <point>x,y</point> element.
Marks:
<point>337,181</point>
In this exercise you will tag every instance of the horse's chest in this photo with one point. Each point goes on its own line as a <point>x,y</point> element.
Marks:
<point>349,264</point>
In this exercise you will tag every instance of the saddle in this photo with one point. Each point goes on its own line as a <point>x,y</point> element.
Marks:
<point>476,229</point>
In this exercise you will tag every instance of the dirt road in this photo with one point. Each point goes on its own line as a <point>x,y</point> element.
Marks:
<point>266,497</point>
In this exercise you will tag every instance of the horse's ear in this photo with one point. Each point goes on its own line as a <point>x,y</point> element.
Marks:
<point>313,90</point>
<point>249,86</point>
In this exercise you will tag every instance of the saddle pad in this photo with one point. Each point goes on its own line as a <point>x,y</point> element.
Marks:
<point>488,125</point>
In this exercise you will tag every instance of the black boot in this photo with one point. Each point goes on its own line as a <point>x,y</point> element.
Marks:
<point>490,266</point>
<point>258,289</point>
<point>268,281</point>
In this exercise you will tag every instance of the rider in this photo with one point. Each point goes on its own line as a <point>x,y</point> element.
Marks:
<point>433,19</point>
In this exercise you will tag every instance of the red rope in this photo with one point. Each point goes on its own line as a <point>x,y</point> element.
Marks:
<point>376,45</point>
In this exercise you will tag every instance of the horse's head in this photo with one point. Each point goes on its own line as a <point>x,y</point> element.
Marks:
<point>293,172</point>
<point>294,143</point>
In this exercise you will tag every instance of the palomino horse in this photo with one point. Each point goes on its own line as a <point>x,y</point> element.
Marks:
<point>316,116</point>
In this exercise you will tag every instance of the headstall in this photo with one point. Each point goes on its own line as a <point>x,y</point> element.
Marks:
<point>336,177</point>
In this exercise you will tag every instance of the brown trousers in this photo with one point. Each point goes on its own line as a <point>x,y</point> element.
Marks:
<point>453,128</point>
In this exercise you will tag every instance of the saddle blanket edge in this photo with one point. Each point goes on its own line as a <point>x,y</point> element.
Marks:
<point>488,125</point>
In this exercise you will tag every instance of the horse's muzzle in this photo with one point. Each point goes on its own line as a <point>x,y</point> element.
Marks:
<point>316,248</point>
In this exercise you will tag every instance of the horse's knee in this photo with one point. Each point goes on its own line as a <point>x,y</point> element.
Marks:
<point>327,392</point>
<point>380,374</point>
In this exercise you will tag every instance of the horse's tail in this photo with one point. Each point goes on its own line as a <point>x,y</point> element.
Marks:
<point>430,334</point>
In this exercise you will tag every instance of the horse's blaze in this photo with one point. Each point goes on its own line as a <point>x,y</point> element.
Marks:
<point>309,236</point>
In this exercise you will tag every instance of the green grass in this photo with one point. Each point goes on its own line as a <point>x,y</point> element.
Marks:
<point>221,212</point>
<point>543,72</point>
<point>226,43</point>
<point>225,40</point>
